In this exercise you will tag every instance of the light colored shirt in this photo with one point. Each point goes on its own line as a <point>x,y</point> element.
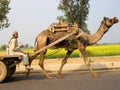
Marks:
<point>13,46</point>
<point>14,49</point>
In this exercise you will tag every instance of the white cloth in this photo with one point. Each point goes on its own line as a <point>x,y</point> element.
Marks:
<point>14,49</point>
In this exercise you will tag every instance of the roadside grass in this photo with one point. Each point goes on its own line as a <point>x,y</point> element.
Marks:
<point>92,51</point>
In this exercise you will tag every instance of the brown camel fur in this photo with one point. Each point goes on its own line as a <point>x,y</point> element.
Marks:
<point>79,41</point>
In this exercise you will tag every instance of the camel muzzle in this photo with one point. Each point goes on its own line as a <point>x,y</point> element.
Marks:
<point>116,20</point>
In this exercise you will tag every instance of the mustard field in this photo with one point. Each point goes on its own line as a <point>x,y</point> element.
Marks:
<point>92,51</point>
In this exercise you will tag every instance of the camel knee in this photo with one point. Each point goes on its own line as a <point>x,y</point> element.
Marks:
<point>88,63</point>
<point>41,65</point>
<point>64,62</point>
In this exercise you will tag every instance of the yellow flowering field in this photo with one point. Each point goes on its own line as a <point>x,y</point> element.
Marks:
<point>97,50</point>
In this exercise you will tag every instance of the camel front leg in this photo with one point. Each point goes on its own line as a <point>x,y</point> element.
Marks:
<point>64,61</point>
<point>41,64</point>
<point>87,63</point>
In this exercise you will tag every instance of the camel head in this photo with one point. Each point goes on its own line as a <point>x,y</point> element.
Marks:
<point>109,22</point>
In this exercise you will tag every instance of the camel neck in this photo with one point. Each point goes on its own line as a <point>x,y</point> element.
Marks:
<point>99,34</point>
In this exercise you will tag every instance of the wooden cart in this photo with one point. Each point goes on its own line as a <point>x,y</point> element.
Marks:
<point>8,65</point>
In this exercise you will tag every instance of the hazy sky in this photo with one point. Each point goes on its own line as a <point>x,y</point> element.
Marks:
<point>30,17</point>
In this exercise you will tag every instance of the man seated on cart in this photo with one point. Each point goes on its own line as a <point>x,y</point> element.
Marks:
<point>14,48</point>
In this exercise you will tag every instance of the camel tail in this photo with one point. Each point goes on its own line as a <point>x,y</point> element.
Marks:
<point>35,44</point>
<point>40,40</point>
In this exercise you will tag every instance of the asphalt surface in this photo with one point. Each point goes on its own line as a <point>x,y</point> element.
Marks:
<point>74,80</point>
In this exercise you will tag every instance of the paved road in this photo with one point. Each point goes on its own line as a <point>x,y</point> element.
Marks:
<point>76,80</point>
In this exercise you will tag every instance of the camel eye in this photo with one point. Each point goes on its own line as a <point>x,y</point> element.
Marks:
<point>110,20</point>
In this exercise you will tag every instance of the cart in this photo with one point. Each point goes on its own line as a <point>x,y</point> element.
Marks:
<point>8,65</point>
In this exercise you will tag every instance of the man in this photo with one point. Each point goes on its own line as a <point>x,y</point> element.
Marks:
<point>15,49</point>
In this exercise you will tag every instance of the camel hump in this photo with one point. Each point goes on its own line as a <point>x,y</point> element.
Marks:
<point>62,27</point>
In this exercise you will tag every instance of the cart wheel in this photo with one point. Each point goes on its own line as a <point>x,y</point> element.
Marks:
<point>3,71</point>
<point>11,71</point>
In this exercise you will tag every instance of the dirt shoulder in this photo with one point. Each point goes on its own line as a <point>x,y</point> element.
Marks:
<point>80,60</point>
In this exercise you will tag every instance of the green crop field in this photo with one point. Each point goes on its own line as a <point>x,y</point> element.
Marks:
<point>92,51</point>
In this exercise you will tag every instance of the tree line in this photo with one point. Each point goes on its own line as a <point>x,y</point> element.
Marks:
<point>26,46</point>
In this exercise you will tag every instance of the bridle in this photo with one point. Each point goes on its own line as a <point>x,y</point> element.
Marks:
<point>108,26</point>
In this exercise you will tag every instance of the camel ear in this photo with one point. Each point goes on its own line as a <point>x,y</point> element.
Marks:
<point>115,18</point>
<point>104,18</point>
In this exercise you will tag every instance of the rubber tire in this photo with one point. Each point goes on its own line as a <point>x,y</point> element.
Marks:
<point>3,71</point>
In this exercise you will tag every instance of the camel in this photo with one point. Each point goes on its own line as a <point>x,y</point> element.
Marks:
<point>80,40</point>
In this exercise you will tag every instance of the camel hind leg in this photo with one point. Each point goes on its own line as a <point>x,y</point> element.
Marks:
<point>41,64</point>
<point>64,61</point>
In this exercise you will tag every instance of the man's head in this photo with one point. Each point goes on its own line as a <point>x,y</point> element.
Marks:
<point>15,34</point>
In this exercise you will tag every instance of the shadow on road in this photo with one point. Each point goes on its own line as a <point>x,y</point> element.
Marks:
<point>40,76</point>
<point>21,77</point>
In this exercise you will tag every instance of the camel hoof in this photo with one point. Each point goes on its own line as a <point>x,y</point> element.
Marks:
<point>49,78</point>
<point>59,76</point>
<point>95,75</point>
